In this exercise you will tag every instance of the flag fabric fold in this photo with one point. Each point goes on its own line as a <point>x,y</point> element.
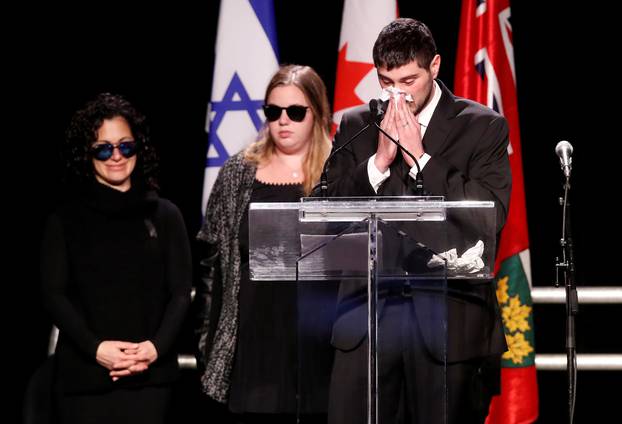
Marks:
<point>241,75</point>
<point>485,73</point>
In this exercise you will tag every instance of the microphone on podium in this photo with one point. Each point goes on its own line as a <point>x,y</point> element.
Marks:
<point>377,108</point>
<point>373,107</point>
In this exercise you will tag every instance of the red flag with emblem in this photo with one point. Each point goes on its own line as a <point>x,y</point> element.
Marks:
<point>485,73</point>
<point>356,81</point>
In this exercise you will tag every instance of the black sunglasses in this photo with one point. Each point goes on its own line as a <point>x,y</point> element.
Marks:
<point>295,112</point>
<point>103,151</point>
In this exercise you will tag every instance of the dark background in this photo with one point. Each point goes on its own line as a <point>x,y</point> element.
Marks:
<point>162,59</point>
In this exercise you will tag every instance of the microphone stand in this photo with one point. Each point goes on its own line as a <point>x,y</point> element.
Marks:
<point>572,300</point>
<point>419,177</point>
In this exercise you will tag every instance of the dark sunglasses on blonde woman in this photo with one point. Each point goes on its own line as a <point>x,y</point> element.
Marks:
<point>295,112</point>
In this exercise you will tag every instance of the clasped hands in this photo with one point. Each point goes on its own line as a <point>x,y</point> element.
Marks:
<point>125,358</point>
<point>403,125</point>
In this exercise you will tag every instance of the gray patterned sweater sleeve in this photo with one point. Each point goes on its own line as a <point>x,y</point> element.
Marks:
<point>227,203</point>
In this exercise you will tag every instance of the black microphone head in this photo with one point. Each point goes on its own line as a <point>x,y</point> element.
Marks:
<point>373,106</point>
<point>377,108</point>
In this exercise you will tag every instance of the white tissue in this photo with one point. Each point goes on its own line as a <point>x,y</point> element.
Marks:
<point>391,91</point>
<point>470,261</point>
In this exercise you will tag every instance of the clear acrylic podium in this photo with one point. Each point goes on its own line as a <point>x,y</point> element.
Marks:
<point>374,250</point>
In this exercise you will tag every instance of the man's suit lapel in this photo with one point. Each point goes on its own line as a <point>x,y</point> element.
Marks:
<point>438,128</point>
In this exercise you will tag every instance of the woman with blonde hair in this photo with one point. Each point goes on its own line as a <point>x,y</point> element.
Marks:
<point>248,336</point>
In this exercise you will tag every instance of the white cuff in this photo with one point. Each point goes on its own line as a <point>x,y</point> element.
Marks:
<point>375,176</point>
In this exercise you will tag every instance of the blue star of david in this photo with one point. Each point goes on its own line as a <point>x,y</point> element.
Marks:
<point>228,104</point>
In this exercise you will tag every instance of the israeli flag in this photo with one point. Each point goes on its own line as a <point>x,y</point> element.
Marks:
<point>246,59</point>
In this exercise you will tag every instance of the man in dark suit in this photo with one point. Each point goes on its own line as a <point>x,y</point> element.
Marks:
<point>462,149</point>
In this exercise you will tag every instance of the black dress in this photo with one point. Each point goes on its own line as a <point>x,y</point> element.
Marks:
<point>263,380</point>
<point>283,355</point>
<point>115,266</point>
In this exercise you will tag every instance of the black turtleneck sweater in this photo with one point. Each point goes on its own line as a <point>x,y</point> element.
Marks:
<point>115,266</point>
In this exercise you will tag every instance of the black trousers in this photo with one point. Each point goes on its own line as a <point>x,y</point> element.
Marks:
<point>414,387</point>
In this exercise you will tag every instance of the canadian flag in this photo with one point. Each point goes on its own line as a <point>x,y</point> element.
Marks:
<point>356,81</point>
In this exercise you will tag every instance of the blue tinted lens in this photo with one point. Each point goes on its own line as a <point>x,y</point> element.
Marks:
<point>127,148</point>
<point>104,151</point>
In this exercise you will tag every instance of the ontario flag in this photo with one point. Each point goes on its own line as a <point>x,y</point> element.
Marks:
<point>246,59</point>
<point>485,73</point>
<point>356,81</point>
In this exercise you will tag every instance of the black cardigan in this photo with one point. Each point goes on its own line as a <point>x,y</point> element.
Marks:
<point>115,266</point>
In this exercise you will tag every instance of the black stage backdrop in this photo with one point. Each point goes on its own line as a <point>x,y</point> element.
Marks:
<point>162,60</point>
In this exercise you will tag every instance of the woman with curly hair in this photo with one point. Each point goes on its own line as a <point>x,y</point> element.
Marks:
<point>116,272</point>
<point>249,337</point>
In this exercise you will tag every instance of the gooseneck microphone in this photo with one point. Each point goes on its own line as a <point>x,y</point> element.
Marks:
<point>419,177</point>
<point>564,151</point>
<point>373,106</point>
<point>376,108</point>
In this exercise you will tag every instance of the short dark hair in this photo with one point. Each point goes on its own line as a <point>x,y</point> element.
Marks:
<point>82,133</point>
<point>401,42</point>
